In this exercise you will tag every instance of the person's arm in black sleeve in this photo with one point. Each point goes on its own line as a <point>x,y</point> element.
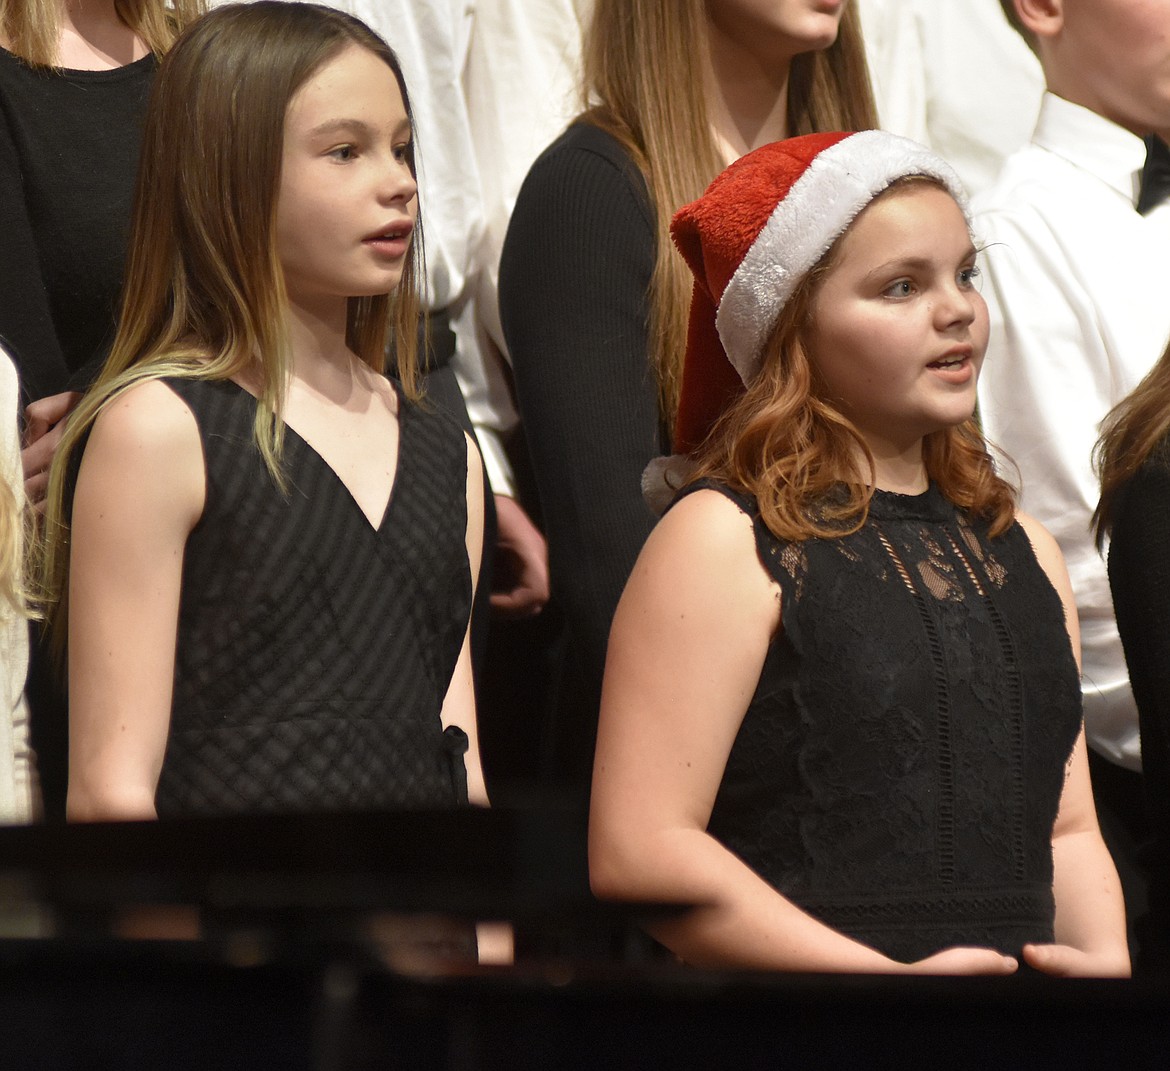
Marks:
<point>1139,576</point>
<point>574,276</point>
<point>26,324</point>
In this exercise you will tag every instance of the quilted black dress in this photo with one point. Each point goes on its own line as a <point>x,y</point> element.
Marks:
<point>314,651</point>
<point>898,771</point>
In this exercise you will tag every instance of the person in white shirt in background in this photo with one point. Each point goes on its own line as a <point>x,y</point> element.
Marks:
<point>522,87</point>
<point>954,76</point>
<point>1079,314</point>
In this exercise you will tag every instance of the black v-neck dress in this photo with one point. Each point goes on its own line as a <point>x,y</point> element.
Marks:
<point>313,651</point>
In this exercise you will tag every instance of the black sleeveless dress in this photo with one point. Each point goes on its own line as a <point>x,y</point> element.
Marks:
<point>899,769</point>
<point>314,652</point>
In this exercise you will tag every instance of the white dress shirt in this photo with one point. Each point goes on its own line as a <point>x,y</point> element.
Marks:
<point>522,84</point>
<point>1076,285</point>
<point>954,75</point>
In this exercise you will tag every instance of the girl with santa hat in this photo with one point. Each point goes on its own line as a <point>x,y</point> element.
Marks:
<point>841,712</point>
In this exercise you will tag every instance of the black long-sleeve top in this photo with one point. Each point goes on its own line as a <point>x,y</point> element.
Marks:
<point>574,281</point>
<point>1139,577</point>
<point>69,143</point>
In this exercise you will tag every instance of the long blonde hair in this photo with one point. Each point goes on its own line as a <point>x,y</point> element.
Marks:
<point>785,443</point>
<point>204,295</point>
<point>13,534</point>
<point>32,28</point>
<point>1130,434</point>
<point>640,75</point>
<point>15,516</point>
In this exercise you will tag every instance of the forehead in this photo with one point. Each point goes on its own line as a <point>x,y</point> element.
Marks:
<point>354,84</point>
<point>917,218</point>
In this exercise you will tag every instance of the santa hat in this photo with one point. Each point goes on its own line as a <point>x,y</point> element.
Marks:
<point>762,225</point>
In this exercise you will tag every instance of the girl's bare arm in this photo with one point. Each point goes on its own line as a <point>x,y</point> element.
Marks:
<point>140,490</point>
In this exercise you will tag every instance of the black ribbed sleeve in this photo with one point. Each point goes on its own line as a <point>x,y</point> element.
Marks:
<point>1139,575</point>
<point>69,146</point>
<point>574,279</point>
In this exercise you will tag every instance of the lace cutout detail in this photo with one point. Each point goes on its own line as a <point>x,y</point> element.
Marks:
<point>790,557</point>
<point>1013,696</point>
<point>933,571</point>
<point>994,572</point>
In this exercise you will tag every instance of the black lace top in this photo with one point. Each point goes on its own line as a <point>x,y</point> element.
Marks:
<point>898,771</point>
<point>314,652</point>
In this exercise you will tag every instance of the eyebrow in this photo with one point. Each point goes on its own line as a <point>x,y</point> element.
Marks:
<point>357,126</point>
<point>915,263</point>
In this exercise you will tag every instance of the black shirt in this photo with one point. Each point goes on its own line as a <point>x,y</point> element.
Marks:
<point>69,143</point>
<point>574,279</point>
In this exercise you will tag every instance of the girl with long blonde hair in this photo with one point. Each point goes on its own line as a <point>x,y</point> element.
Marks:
<point>592,301</point>
<point>261,549</point>
<point>842,711</point>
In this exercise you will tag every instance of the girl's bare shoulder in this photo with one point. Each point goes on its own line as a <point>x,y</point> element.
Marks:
<point>704,549</point>
<point>707,523</point>
<point>144,450</point>
<point>147,414</point>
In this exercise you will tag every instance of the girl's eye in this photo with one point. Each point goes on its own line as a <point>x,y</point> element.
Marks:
<point>402,152</point>
<point>902,288</point>
<point>967,276</point>
<point>343,152</point>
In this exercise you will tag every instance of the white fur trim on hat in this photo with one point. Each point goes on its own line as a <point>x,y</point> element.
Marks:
<point>836,185</point>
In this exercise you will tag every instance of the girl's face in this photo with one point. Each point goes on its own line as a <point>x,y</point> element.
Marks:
<point>899,328</point>
<point>781,26</point>
<point>347,205</point>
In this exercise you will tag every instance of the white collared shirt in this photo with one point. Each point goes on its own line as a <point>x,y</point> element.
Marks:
<point>955,76</point>
<point>1080,311</point>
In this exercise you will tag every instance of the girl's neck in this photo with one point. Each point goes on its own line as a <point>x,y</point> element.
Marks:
<point>902,471</point>
<point>320,357</point>
<point>94,38</point>
<point>747,95</point>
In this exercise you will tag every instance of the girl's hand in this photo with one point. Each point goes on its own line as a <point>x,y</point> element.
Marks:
<point>963,960</point>
<point>1064,961</point>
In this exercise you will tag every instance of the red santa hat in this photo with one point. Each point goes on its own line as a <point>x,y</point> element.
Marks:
<point>761,226</point>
